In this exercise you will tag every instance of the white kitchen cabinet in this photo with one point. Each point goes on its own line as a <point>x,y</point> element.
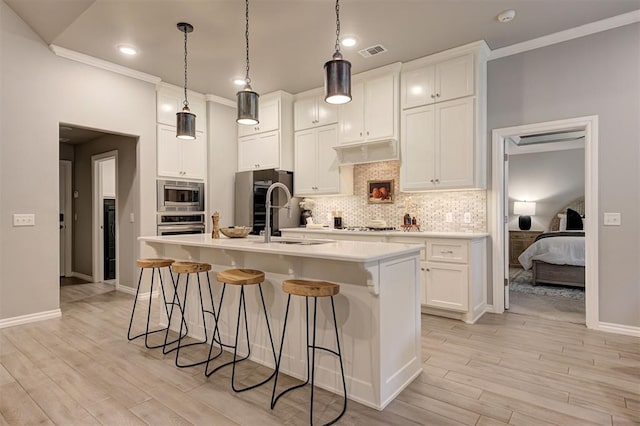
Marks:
<point>439,82</point>
<point>268,117</point>
<point>312,111</point>
<point>169,102</point>
<point>180,158</point>
<point>438,146</point>
<point>316,167</point>
<point>372,114</point>
<point>258,152</point>
<point>268,144</point>
<point>447,286</point>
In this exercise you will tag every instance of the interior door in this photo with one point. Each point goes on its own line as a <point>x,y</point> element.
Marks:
<point>505,212</point>
<point>61,210</point>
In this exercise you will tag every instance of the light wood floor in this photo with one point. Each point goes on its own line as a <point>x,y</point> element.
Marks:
<point>507,369</point>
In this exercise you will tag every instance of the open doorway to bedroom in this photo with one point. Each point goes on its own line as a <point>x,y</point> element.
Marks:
<point>544,182</point>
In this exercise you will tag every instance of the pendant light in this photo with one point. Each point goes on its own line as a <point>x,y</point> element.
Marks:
<point>247,98</point>
<point>337,72</point>
<point>185,119</point>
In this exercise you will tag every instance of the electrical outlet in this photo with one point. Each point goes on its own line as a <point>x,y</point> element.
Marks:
<point>449,217</point>
<point>612,219</point>
<point>24,220</point>
<point>132,218</point>
<point>467,217</point>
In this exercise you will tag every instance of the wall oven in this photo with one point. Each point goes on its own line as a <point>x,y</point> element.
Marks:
<point>180,196</point>
<point>180,223</point>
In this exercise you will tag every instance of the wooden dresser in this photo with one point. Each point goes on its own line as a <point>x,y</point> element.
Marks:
<point>518,242</point>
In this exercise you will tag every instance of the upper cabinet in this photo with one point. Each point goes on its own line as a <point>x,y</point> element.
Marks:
<point>443,144</point>
<point>268,144</point>
<point>439,82</point>
<point>169,102</point>
<point>312,111</point>
<point>372,115</point>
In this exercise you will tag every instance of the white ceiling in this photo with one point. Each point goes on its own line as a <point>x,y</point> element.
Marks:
<point>290,39</point>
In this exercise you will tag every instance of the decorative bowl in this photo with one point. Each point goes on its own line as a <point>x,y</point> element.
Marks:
<point>236,231</point>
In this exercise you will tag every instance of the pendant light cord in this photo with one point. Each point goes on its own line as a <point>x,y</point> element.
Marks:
<point>186,101</point>
<point>337,26</point>
<point>246,36</point>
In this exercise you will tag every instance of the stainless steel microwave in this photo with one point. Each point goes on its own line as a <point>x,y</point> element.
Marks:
<point>180,196</point>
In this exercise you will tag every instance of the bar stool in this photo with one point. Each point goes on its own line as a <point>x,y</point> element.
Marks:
<point>309,289</point>
<point>155,265</point>
<point>242,278</point>
<point>189,268</point>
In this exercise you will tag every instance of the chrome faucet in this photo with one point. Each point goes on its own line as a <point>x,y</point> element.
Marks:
<point>268,207</point>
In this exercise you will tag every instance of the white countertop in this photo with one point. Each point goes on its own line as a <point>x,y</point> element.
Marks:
<point>416,234</point>
<point>349,251</point>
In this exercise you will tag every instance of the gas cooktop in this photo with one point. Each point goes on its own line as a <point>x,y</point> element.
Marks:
<point>370,228</point>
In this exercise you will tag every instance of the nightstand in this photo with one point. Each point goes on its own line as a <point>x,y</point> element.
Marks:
<point>518,242</point>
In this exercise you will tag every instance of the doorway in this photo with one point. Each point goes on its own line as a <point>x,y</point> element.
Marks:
<point>105,223</point>
<point>499,207</point>
<point>66,222</point>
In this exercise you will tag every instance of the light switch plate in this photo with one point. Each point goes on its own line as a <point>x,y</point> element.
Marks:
<point>612,219</point>
<point>24,219</point>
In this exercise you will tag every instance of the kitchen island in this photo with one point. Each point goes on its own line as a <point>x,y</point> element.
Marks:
<point>378,308</point>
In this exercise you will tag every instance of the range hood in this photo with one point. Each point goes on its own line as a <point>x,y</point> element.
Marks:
<point>367,152</point>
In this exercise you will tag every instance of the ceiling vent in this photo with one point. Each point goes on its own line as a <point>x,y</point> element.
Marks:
<point>372,51</point>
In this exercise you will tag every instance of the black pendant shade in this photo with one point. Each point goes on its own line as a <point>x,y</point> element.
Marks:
<point>185,124</point>
<point>337,80</point>
<point>247,106</point>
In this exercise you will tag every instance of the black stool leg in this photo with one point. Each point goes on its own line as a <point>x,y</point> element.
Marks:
<point>216,331</point>
<point>313,358</point>
<point>344,383</point>
<point>133,311</point>
<point>146,333</point>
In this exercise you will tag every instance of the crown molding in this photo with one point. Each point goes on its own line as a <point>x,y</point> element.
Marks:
<point>220,100</point>
<point>105,65</point>
<point>566,35</point>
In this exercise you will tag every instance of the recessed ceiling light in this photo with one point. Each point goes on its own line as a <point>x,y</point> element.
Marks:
<point>127,50</point>
<point>506,15</point>
<point>239,81</point>
<point>349,41</point>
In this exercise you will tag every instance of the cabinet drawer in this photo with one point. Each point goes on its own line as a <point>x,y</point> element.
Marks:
<point>454,251</point>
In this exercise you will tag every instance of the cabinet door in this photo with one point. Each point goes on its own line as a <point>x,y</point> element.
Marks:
<point>423,283</point>
<point>418,149</point>
<point>194,156</point>
<point>327,113</point>
<point>305,162</point>
<point>379,116</point>
<point>418,87</point>
<point>328,170</point>
<point>169,154</point>
<point>455,144</point>
<point>268,117</point>
<point>352,116</point>
<point>260,151</point>
<point>447,286</point>
<point>305,113</point>
<point>167,107</point>
<point>454,78</point>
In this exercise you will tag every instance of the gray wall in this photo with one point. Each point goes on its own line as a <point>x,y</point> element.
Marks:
<point>127,196</point>
<point>594,75</point>
<point>66,151</point>
<point>551,179</point>
<point>55,90</point>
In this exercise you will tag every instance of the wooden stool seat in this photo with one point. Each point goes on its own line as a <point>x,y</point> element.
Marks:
<point>310,288</point>
<point>190,267</point>
<point>154,263</point>
<point>240,276</point>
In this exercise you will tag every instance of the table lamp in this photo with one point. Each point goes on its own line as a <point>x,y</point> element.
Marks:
<point>525,209</point>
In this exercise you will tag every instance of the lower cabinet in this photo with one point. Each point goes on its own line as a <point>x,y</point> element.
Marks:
<point>447,286</point>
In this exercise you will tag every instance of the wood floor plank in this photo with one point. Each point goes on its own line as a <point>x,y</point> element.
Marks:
<point>154,413</point>
<point>442,408</point>
<point>17,407</point>
<point>519,419</point>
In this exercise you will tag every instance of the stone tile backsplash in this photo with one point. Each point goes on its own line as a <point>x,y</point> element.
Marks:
<point>429,208</point>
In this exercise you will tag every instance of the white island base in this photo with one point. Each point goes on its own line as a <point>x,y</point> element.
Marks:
<point>378,308</point>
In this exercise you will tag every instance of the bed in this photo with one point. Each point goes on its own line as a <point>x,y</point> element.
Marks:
<point>558,257</point>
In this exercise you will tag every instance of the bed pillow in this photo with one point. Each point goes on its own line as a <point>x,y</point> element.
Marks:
<point>563,222</point>
<point>574,220</point>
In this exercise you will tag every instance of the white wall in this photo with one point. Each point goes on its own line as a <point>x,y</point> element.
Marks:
<point>594,75</point>
<point>550,179</point>
<point>108,171</point>
<point>40,90</point>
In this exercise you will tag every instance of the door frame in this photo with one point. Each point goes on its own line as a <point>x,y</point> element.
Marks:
<point>498,210</point>
<point>67,165</point>
<point>97,214</point>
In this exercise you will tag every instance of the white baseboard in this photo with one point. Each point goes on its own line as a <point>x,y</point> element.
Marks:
<point>618,328</point>
<point>82,276</point>
<point>25,319</point>
<point>132,291</point>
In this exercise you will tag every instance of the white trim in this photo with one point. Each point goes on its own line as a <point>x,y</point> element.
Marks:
<point>178,90</point>
<point>82,276</point>
<point>566,35</point>
<point>220,100</point>
<point>26,319</point>
<point>105,65</point>
<point>97,245</point>
<point>132,291</point>
<point>497,208</point>
<point>618,328</point>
